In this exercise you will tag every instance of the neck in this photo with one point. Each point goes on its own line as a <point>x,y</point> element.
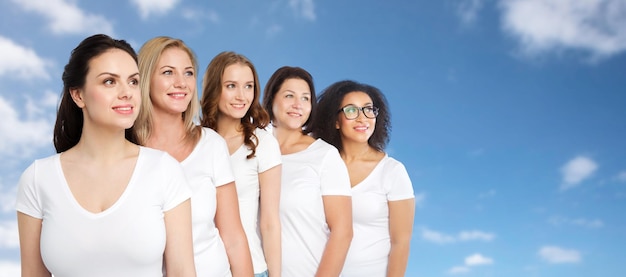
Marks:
<point>287,137</point>
<point>229,127</point>
<point>356,151</point>
<point>167,129</point>
<point>102,144</point>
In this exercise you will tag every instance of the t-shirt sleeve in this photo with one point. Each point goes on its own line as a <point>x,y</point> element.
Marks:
<point>223,172</point>
<point>399,185</point>
<point>176,189</point>
<point>334,175</point>
<point>28,200</point>
<point>268,151</point>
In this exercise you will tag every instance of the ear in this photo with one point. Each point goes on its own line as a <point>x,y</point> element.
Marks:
<point>77,96</point>
<point>337,125</point>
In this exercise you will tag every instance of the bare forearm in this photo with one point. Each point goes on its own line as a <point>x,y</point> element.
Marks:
<point>272,248</point>
<point>334,254</point>
<point>239,258</point>
<point>398,259</point>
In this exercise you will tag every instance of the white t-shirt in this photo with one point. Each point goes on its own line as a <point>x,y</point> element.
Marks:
<point>369,250</point>
<point>247,172</point>
<point>207,168</point>
<point>307,176</point>
<point>127,239</point>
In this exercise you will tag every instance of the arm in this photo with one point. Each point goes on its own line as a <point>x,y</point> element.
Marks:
<point>269,221</point>
<point>401,215</point>
<point>178,244</point>
<point>338,210</point>
<point>228,221</point>
<point>30,235</point>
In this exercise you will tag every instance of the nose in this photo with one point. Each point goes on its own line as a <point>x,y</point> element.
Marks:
<point>127,91</point>
<point>180,82</point>
<point>297,103</point>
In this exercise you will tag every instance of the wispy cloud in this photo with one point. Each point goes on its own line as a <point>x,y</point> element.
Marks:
<point>473,260</point>
<point>488,194</point>
<point>9,237</point>
<point>66,17</point>
<point>7,199</point>
<point>621,176</point>
<point>468,10</point>
<point>304,9</point>
<point>542,26</point>
<point>21,137</point>
<point>10,269</point>
<point>583,222</point>
<point>21,62</point>
<point>478,259</point>
<point>154,7</point>
<point>557,255</point>
<point>441,238</point>
<point>577,170</point>
<point>201,15</point>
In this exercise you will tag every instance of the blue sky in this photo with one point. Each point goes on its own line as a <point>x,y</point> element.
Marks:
<point>510,116</point>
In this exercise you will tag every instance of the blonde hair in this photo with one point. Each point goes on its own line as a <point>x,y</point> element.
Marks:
<point>149,55</point>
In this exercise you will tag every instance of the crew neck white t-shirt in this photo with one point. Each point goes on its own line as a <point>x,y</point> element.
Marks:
<point>247,172</point>
<point>127,239</point>
<point>369,251</point>
<point>206,168</point>
<point>307,176</point>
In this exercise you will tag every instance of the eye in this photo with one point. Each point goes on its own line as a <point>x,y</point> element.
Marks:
<point>305,98</point>
<point>368,109</point>
<point>289,95</point>
<point>189,73</point>
<point>350,109</point>
<point>134,82</point>
<point>167,72</point>
<point>249,86</point>
<point>231,86</point>
<point>109,82</point>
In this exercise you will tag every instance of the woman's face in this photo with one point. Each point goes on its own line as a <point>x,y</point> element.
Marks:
<point>110,97</point>
<point>173,82</point>
<point>292,104</point>
<point>237,91</point>
<point>352,122</point>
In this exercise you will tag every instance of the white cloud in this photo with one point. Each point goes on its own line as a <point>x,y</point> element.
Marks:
<point>437,237</point>
<point>7,199</point>
<point>199,15</point>
<point>22,137</point>
<point>458,270</point>
<point>621,176</point>
<point>488,194</point>
<point>597,27</point>
<point>441,238</point>
<point>66,17</point>
<point>304,9</point>
<point>475,235</point>
<point>10,269</point>
<point>468,10</point>
<point>478,259</point>
<point>557,255</point>
<point>583,222</point>
<point>21,62</point>
<point>9,237</point>
<point>577,170</point>
<point>419,199</point>
<point>157,7</point>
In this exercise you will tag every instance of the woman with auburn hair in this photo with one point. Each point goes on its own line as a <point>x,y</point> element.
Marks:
<point>230,106</point>
<point>355,118</point>
<point>166,122</point>
<point>315,205</point>
<point>103,206</point>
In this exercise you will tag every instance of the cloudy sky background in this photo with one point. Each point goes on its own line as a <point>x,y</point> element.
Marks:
<point>510,115</point>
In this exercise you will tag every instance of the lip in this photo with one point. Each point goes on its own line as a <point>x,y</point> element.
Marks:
<point>294,114</point>
<point>177,95</point>
<point>238,106</point>
<point>124,109</point>
<point>362,128</point>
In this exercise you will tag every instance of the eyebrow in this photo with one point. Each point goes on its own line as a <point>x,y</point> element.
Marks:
<point>117,75</point>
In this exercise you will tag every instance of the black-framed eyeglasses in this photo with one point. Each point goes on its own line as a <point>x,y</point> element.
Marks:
<point>352,111</point>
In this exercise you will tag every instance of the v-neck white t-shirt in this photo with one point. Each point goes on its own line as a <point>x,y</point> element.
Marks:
<point>127,239</point>
<point>267,156</point>
<point>369,250</point>
<point>208,167</point>
<point>307,176</point>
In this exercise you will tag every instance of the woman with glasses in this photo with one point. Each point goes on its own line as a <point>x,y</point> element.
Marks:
<point>315,206</point>
<point>355,118</point>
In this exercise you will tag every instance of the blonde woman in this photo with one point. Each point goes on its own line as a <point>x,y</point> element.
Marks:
<point>166,122</point>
